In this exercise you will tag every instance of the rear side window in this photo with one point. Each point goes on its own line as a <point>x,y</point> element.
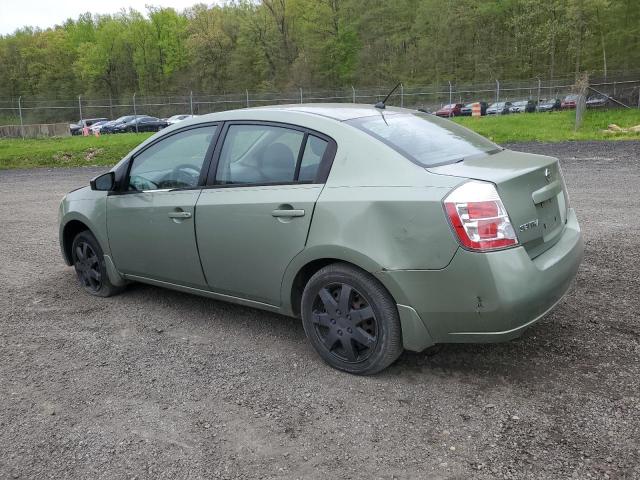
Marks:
<point>258,154</point>
<point>425,139</point>
<point>313,153</point>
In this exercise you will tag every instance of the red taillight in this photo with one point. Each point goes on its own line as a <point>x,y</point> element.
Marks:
<point>479,210</point>
<point>478,217</point>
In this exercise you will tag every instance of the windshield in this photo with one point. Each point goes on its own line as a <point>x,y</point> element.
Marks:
<point>425,139</point>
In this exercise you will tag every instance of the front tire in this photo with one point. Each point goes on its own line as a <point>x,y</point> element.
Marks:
<point>351,320</point>
<point>88,261</point>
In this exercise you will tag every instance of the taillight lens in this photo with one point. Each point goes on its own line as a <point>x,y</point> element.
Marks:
<point>478,217</point>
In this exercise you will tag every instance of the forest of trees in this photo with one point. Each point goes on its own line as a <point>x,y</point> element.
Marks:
<point>277,44</point>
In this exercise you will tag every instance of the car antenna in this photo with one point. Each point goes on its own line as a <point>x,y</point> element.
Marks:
<point>381,105</point>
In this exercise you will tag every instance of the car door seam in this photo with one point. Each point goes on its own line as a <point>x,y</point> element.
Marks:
<point>195,235</point>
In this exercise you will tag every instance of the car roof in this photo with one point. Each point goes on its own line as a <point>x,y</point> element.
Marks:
<point>337,111</point>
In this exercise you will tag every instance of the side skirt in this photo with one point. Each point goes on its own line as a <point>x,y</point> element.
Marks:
<point>205,293</point>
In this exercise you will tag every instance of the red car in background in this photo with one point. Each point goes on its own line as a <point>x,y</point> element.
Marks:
<point>451,110</point>
<point>570,101</point>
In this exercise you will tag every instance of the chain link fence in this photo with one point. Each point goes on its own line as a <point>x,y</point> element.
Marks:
<point>625,88</point>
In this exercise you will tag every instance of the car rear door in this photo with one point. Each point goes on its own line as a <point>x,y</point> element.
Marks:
<point>150,221</point>
<point>254,215</point>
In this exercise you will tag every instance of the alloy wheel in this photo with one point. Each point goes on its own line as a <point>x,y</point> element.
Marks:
<point>345,323</point>
<point>87,265</point>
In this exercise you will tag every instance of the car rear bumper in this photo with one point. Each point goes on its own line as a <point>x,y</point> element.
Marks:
<point>489,297</point>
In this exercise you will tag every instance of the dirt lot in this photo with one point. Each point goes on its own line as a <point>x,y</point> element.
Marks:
<point>158,384</point>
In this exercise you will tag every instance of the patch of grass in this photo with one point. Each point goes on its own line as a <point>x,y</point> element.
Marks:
<point>78,151</point>
<point>554,126</point>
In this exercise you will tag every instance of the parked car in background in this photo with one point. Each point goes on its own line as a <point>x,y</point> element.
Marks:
<point>598,101</point>
<point>178,118</point>
<point>141,124</point>
<point>489,243</point>
<point>451,110</point>
<point>85,122</point>
<point>75,129</point>
<point>467,110</point>
<point>97,127</point>
<point>111,126</point>
<point>570,101</point>
<point>499,108</point>
<point>518,107</point>
<point>549,105</point>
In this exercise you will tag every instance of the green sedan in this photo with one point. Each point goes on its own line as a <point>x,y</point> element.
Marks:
<point>383,229</point>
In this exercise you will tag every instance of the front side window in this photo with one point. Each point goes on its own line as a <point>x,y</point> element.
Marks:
<point>425,139</point>
<point>174,162</point>
<point>258,154</point>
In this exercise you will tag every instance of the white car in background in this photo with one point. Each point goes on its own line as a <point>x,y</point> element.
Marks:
<point>179,118</point>
<point>97,127</point>
<point>519,107</point>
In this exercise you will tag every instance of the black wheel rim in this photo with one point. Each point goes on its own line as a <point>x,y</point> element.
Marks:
<point>87,267</point>
<point>345,322</point>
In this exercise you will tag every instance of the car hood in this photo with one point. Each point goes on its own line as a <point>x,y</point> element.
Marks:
<point>80,193</point>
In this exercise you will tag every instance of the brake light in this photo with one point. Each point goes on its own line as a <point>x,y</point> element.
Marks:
<point>478,217</point>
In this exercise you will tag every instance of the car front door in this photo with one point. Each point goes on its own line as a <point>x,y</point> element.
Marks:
<point>150,221</point>
<point>255,213</point>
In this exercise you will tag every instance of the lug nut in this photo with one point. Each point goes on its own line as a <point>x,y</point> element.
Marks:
<point>349,330</point>
<point>339,332</point>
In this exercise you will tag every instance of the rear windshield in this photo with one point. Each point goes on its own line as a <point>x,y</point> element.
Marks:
<point>425,139</point>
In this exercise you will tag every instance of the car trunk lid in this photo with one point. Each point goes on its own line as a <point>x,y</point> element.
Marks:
<point>531,188</point>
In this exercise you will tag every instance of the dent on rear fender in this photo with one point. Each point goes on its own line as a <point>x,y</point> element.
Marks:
<point>376,229</point>
<point>398,228</point>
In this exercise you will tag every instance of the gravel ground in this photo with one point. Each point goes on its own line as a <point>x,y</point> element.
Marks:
<point>159,384</point>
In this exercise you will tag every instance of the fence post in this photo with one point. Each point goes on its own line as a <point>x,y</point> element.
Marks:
<point>20,113</point>
<point>497,96</point>
<point>247,92</point>
<point>110,107</point>
<point>300,94</point>
<point>135,112</point>
<point>353,93</point>
<point>450,92</point>
<point>401,95</point>
<point>191,101</point>
<point>539,85</point>
<point>80,106</point>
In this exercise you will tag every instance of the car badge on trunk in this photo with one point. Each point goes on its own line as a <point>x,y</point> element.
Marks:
<point>529,225</point>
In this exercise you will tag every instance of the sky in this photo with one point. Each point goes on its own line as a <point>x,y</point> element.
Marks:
<point>47,13</point>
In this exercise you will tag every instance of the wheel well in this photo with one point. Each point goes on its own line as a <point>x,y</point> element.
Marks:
<point>71,229</point>
<point>303,276</point>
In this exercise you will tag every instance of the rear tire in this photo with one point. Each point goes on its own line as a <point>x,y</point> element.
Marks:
<point>351,320</point>
<point>88,261</point>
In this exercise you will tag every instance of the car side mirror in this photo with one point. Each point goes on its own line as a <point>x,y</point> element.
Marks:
<point>104,182</point>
